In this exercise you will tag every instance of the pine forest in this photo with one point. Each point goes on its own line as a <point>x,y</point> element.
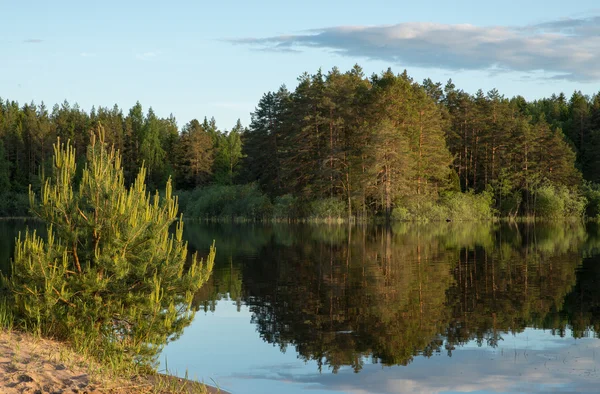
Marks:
<point>340,145</point>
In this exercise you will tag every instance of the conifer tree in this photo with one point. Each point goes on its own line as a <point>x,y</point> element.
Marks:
<point>110,276</point>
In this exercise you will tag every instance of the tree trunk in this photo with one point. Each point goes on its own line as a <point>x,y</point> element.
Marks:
<point>388,191</point>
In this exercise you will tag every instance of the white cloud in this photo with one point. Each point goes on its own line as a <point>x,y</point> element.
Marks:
<point>565,49</point>
<point>567,367</point>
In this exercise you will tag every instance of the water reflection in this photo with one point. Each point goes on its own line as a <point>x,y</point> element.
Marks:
<point>351,296</point>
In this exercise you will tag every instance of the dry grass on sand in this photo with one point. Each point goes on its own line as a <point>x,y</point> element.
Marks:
<point>38,366</point>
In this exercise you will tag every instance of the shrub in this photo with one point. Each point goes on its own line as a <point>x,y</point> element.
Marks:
<point>469,206</point>
<point>285,207</point>
<point>228,202</point>
<point>451,205</point>
<point>327,208</point>
<point>554,202</point>
<point>591,191</point>
<point>401,214</point>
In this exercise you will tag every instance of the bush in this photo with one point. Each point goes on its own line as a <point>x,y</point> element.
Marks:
<point>327,208</point>
<point>451,205</point>
<point>591,191</point>
<point>227,202</point>
<point>401,214</point>
<point>469,206</point>
<point>285,207</point>
<point>556,202</point>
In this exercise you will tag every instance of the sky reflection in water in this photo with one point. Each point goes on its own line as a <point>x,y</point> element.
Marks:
<point>378,292</point>
<point>224,347</point>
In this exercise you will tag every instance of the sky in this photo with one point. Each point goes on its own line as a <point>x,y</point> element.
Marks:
<point>217,58</point>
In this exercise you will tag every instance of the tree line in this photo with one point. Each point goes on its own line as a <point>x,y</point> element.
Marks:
<point>341,144</point>
<point>389,145</point>
<point>195,155</point>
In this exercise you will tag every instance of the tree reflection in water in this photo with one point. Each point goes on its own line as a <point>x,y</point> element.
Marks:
<point>344,296</point>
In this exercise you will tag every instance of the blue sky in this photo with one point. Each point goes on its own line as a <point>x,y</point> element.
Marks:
<point>200,58</point>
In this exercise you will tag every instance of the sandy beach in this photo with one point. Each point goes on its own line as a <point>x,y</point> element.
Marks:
<point>39,366</point>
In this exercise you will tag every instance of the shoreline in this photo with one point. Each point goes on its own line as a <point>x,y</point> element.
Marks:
<point>29,364</point>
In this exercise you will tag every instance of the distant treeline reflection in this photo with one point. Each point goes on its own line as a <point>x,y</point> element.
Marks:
<point>343,295</point>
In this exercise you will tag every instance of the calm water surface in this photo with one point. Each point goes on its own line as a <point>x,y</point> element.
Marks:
<point>441,308</point>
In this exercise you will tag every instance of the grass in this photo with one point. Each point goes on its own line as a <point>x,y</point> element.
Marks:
<point>6,316</point>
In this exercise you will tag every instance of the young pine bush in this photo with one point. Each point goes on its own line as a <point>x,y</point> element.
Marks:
<point>110,278</point>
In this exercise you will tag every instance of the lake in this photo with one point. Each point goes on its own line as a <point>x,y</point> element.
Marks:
<point>440,308</point>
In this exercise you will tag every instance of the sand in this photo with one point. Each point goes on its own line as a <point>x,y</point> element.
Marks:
<point>39,366</point>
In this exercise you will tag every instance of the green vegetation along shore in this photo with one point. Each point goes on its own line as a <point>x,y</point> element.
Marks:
<point>340,145</point>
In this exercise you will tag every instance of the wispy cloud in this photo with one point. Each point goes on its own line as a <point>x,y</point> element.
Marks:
<point>566,49</point>
<point>562,367</point>
<point>87,54</point>
<point>147,55</point>
<point>33,41</point>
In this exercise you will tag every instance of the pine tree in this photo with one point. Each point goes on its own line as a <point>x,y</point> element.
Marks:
<point>110,277</point>
<point>264,143</point>
<point>195,156</point>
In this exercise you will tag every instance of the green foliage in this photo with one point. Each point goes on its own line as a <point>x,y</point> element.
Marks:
<point>450,206</point>
<point>194,156</point>
<point>6,315</point>
<point>591,192</point>
<point>371,142</point>
<point>328,208</point>
<point>228,202</point>
<point>401,213</point>
<point>262,142</point>
<point>110,278</point>
<point>14,204</point>
<point>229,155</point>
<point>469,206</point>
<point>557,202</point>
<point>4,170</point>
<point>286,207</point>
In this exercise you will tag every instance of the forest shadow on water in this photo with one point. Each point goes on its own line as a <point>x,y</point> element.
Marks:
<point>346,297</point>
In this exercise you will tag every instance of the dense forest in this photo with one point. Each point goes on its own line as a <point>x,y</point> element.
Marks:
<point>340,145</point>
